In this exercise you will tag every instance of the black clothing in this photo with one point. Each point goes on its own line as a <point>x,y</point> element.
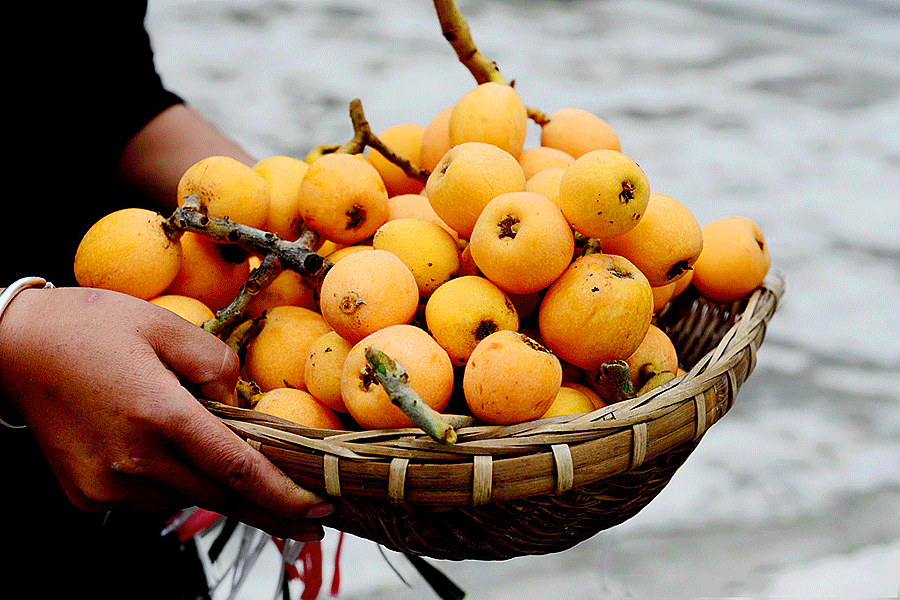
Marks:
<point>57,551</point>
<point>87,85</point>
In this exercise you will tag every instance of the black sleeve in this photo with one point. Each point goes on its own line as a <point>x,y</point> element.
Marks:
<point>81,82</point>
<point>89,77</point>
<point>138,88</point>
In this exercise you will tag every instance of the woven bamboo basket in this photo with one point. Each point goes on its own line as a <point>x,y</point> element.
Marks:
<point>537,487</point>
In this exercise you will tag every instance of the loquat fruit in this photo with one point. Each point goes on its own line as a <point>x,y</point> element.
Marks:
<point>366,291</point>
<point>299,407</point>
<point>576,132</point>
<point>599,309</point>
<point>603,194</point>
<point>522,242</point>
<point>464,311</point>
<point>276,356</point>
<point>734,261</point>
<point>227,188</point>
<point>283,175</point>
<point>343,198</point>
<point>492,113</point>
<point>469,176</point>
<point>131,250</point>
<point>665,242</point>
<point>498,399</point>
<point>430,253</point>
<point>427,366</point>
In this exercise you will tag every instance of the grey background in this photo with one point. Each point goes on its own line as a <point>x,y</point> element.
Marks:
<point>787,112</point>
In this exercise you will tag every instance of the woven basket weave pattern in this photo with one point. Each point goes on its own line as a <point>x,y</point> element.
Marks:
<point>536,487</point>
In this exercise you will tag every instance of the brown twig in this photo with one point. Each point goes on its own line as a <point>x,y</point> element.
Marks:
<point>364,136</point>
<point>296,256</point>
<point>537,116</point>
<point>258,280</point>
<point>455,30</point>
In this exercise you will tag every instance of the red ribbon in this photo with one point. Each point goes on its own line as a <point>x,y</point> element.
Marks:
<point>311,558</point>
<point>310,555</point>
<point>199,520</point>
<point>336,578</point>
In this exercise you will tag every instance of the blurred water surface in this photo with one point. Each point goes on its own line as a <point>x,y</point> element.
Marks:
<point>787,112</point>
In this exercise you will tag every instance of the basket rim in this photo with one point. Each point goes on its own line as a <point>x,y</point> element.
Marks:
<point>547,456</point>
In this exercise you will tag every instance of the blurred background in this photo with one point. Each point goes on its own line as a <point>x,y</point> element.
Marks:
<point>787,112</point>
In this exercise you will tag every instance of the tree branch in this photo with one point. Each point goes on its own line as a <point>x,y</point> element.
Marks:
<point>364,136</point>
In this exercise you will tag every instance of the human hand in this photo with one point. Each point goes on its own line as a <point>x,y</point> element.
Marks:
<point>102,381</point>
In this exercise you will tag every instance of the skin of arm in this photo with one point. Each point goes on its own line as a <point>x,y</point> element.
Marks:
<point>155,158</point>
<point>108,384</point>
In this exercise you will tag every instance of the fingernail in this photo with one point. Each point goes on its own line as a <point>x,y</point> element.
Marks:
<point>320,510</point>
<point>305,533</point>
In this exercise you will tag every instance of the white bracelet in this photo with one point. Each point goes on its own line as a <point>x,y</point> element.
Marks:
<point>5,298</point>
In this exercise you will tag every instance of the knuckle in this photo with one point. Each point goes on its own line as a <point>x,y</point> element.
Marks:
<point>129,465</point>
<point>231,362</point>
<point>92,495</point>
<point>110,483</point>
<point>221,363</point>
<point>238,471</point>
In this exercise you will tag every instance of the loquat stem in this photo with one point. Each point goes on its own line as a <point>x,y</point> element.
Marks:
<point>455,30</point>
<point>296,256</point>
<point>394,379</point>
<point>537,116</point>
<point>307,238</point>
<point>320,151</point>
<point>361,130</point>
<point>259,278</point>
<point>364,136</point>
<point>612,382</point>
<point>587,245</point>
<point>248,391</point>
<point>239,337</point>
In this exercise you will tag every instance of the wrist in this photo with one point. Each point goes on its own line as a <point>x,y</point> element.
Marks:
<point>6,297</point>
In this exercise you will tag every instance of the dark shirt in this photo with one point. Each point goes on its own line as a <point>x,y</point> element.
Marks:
<point>87,84</point>
<point>83,83</point>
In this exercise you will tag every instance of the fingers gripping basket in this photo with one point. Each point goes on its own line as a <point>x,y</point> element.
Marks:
<point>534,488</point>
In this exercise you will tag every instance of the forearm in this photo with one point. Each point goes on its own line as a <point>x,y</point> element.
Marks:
<point>156,157</point>
<point>9,416</point>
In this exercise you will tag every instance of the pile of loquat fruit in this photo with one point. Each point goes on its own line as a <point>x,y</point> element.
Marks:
<point>505,281</point>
